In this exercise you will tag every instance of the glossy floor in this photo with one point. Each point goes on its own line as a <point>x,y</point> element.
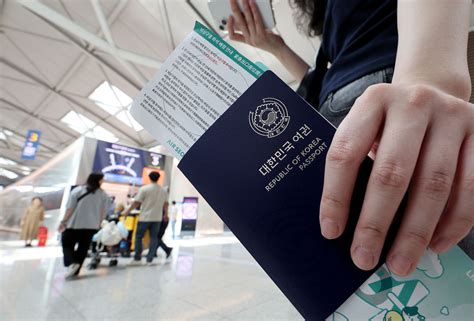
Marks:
<point>205,279</point>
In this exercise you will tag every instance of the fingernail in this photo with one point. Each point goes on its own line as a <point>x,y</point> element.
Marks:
<point>441,245</point>
<point>363,258</point>
<point>329,228</point>
<point>400,264</point>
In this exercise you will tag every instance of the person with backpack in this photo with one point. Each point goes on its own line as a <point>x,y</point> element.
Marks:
<point>86,209</point>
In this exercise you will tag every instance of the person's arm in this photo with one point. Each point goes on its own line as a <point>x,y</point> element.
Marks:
<point>104,208</point>
<point>165,211</point>
<point>134,205</point>
<point>423,128</point>
<point>70,206</point>
<point>432,46</point>
<point>252,32</point>
<point>67,216</point>
<point>137,200</point>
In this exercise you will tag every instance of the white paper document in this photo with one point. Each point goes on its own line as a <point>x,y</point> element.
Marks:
<point>194,87</point>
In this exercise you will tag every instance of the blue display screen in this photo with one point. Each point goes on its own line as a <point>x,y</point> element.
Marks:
<point>124,164</point>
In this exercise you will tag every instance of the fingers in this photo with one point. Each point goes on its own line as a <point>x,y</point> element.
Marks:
<point>458,218</point>
<point>257,17</point>
<point>248,17</point>
<point>429,193</point>
<point>240,20</point>
<point>393,167</point>
<point>249,21</point>
<point>232,34</point>
<point>344,157</point>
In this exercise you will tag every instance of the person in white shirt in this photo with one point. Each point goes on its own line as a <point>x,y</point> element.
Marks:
<point>153,200</point>
<point>173,217</point>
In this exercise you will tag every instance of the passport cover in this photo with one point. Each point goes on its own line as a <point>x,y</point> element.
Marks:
<point>260,166</point>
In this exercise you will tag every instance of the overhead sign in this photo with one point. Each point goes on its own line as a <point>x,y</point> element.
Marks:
<point>124,164</point>
<point>31,144</point>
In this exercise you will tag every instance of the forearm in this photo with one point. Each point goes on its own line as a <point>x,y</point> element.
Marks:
<point>67,216</point>
<point>292,62</point>
<point>432,45</point>
<point>165,210</point>
<point>134,205</point>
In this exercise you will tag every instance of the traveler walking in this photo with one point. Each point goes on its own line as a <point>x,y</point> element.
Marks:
<point>173,214</point>
<point>32,220</point>
<point>161,233</point>
<point>153,201</point>
<point>86,209</point>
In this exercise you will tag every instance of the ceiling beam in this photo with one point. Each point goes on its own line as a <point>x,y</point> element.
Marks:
<point>91,53</point>
<point>68,99</point>
<point>74,28</point>
<point>42,154</point>
<point>87,52</point>
<point>108,36</point>
<point>51,149</point>
<point>34,34</point>
<point>167,25</point>
<point>18,107</point>
<point>2,7</point>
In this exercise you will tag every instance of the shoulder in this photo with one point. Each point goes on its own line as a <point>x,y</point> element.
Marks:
<point>146,187</point>
<point>160,188</point>
<point>75,192</point>
<point>103,194</point>
<point>143,189</point>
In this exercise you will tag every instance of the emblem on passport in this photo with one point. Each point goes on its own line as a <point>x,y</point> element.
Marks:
<point>270,119</point>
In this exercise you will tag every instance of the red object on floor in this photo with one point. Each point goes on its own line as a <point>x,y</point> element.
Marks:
<point>42,235</point>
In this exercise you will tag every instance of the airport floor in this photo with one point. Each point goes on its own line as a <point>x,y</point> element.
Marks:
<point>211,278</point>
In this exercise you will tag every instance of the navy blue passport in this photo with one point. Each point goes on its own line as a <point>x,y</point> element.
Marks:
<point>261,168</point>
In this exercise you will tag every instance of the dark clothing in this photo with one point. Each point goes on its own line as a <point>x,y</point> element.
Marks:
<point>69,239</point>
<point>163,227</point>
<point>153,228</point>
<point>161,232</point>
<point>359,38</point>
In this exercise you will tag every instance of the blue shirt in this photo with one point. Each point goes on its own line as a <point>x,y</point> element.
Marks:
<point>359,37</point>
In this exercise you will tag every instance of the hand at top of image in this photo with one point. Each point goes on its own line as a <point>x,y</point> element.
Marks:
<point>247,26</point>
<point>250,27</point>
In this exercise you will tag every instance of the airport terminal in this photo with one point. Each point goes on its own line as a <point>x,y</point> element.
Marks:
<point>236,160</point>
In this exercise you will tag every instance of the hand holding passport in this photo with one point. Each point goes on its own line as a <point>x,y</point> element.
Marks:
<point>260,166</point>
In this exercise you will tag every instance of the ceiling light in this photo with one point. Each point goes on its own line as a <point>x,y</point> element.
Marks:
<point>125,117</point>
<point>116,102</point>
<point>45,189</point>
<point>79,123</point>
<point>101,133</point>
<point>3,136</point>
<point>87,127</point>
<point>7,132</point>
<point>7,161</point>
<point>8,174</point>
<point>24,188</point>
